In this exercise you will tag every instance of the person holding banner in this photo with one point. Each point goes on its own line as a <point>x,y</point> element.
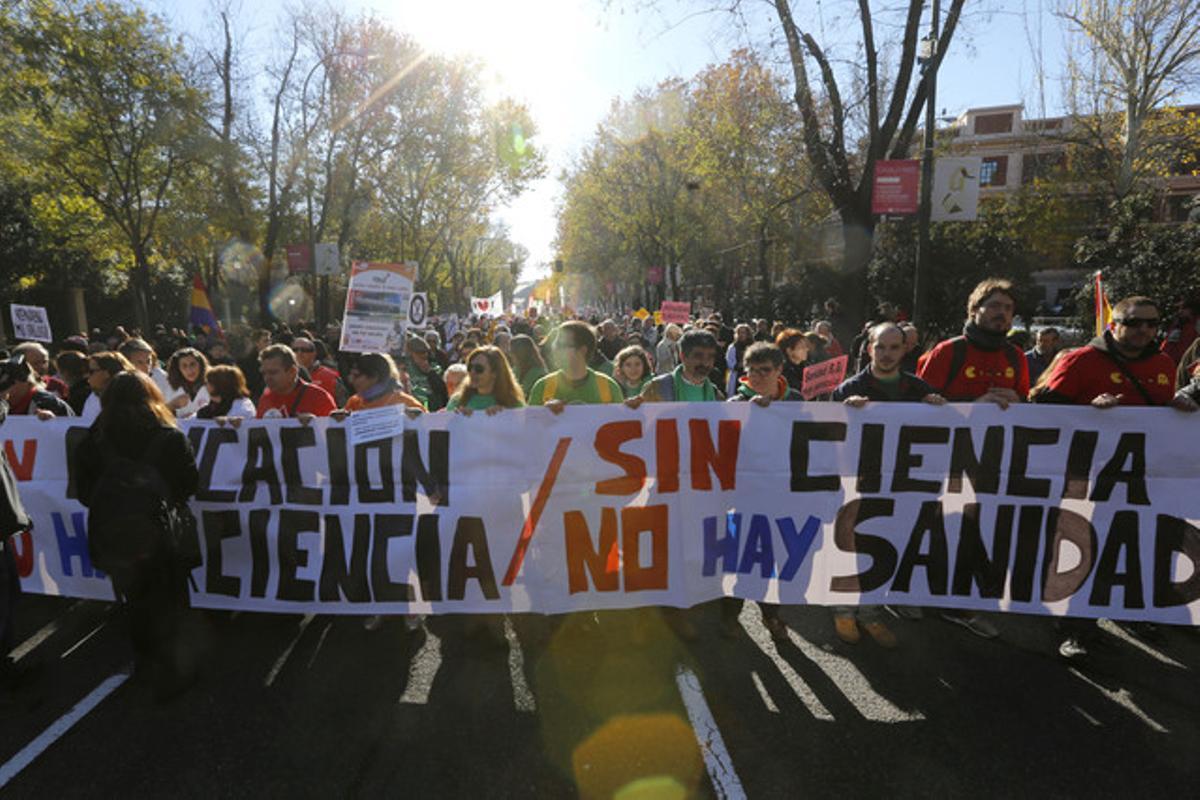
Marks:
<point>980,366</point>
<point>489,386</point>
<point>632,370</point>
<point>527,362</point>
<point>187,375</point>
<point>763,383</point>
<point>376,382</point>
<point>425,381</point>
<point>39,361</point>
<point>286,395</point>
<point>1122,367</point>
<point>228,395</point>
<point>794,345</point>
<point>882,381</point>
<point>574,382</point>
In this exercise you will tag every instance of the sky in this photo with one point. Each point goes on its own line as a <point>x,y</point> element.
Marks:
<point>569,59</point>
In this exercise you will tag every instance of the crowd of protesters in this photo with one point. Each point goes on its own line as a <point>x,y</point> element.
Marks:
<point>131,388</point>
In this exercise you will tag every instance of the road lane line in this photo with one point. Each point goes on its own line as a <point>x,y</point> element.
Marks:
<point>762,692</point>
<point>1113,629</point>
<point>320,641</point>
<point>751,619</point>
<point>522,697</point>
<point>422,671</point>
<point>1088,717</point>
<point>59,727</point>
<point>853,684</point>
<point>44,633</point>
<point>274,673</point>
<point>1123,698</point>
<point>725,781</point>
<point>84,640</point>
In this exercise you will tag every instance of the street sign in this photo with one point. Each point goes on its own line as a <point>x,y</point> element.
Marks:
<point>418,309</point>
<point>956,189</point>
<point>299,258</point>
<point>327,260</point>
<point>896,189</point>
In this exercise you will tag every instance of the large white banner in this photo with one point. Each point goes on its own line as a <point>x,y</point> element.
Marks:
<point>1045,510</point>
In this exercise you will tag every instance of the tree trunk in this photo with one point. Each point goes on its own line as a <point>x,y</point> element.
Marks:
<point>141,290</point>
<point>858,233</point>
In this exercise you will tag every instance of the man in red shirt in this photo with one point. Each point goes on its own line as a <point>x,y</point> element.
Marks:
<point>286,395</point>
<point>1122,367</point>
<point>306,354</point>
<point>980,365</point>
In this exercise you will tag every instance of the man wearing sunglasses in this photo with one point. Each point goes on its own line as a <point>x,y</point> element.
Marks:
<point>574,382</point>
<point>1122,367</point>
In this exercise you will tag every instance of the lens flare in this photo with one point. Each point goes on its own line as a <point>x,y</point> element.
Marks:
<point>240,262</point>
<point>290,303</point>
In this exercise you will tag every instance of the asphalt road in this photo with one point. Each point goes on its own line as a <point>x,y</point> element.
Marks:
<point>461,707</point>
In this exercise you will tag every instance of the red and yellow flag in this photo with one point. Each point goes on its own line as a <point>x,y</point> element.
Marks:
<point>1103,309</point>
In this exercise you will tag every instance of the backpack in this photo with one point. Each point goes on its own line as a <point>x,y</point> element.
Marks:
<point>131,518</point>
<point>550,389</point>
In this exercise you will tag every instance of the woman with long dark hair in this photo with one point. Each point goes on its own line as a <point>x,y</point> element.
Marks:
<point>135,471</point>
<point>490,385</point>
<point>186,373</point>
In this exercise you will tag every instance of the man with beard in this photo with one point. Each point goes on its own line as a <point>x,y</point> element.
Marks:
<point>980,366</point>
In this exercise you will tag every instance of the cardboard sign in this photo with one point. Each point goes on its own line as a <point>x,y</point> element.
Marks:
<point>823,378</point>
<point>641,314</point>
<point>956,189</point>
<point>677,312</point>
<point>30,323</point>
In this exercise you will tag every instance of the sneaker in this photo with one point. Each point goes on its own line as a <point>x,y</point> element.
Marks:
<point>974,623</point>
<point>1072,648</point>
<point>846,629</point>
<point>777,628</point>
<point>880,633</point>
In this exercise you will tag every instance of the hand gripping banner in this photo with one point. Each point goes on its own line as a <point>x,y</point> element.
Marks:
<point>1044,510</point>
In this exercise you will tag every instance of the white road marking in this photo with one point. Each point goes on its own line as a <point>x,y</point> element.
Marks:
<point>762,692</point>
<point>1123,698</point>
<point>274,673</point>
<point>58,728</point>
<point>751,619</point>
<point>522,697</point>
<point>44,633</point>
<point>1112,628</point>
<point>854,685</point>
<point>325,632</point>
<point>422,671</point>
<point>84,640</point>
<point>1088,717</point>
<point>726,784</point>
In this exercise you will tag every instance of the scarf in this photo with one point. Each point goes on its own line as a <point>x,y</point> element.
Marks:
<point>984,340</point>
<point>710,391</point>
<point>379,390</point>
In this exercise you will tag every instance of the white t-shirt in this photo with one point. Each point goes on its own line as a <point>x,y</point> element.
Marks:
<point>91,409</point>
<point>243,407</point>
<point>194,405</point>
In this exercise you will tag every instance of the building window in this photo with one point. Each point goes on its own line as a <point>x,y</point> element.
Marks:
<point>994,171</point>
<point>993,123</point>
<point>1036,166</point>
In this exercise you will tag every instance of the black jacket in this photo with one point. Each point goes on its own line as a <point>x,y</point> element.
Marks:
<point>174,460</point>
<point>864,384</point>
<point>13,518</point>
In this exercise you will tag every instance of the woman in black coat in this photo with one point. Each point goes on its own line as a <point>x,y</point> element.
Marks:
<point>133,463</point>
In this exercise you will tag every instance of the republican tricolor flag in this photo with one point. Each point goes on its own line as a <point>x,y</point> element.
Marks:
<point>1103,309</point>
<point>202,314</point>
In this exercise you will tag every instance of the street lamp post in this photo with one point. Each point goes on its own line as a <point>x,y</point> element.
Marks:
<point>929,63</point>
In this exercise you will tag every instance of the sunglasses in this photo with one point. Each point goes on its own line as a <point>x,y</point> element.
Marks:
<point>1138,322</point>
<point>478,368</point>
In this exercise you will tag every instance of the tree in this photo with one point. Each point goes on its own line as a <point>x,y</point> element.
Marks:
<point>107,115</point>
<point>832,118</point>
<point>1144,52</point>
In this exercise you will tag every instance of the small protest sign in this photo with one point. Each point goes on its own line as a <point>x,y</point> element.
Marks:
<point>30,323</point>
<point>823,378</point>
<point>677,312</point>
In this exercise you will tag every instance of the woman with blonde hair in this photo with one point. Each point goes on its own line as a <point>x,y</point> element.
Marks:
<point>490,385</point>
